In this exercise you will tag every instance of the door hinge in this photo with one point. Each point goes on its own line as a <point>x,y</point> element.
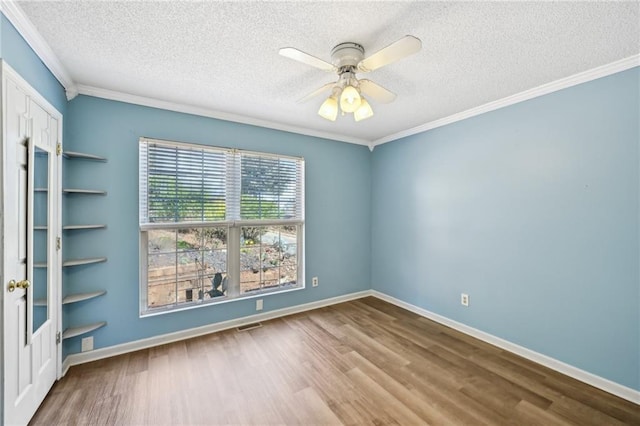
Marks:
<point>58,148</point>
<point>58,338</point>
<point>58,243</point>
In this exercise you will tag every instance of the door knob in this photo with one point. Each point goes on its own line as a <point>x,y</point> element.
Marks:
<point>20,284</point>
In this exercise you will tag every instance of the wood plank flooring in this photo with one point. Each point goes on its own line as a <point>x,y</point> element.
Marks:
<point>360,362</point>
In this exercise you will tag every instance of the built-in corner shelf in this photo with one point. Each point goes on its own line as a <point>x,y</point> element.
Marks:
<point>80,155</point>
<point>77,331</point>
<point>83,191</point>
<point>79,297</point>
<point>85,261</point>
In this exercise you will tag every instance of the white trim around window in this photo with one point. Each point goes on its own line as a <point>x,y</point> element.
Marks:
<point>217,224</point>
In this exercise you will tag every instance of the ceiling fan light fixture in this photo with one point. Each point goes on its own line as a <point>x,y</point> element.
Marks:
<point>349,99</point>
<point>348,59</point>
<point>364,111</point>
<point>329,109</point>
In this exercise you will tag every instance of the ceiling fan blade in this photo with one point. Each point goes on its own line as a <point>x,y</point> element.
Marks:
<point>376,92</point>
<point>305,58</point>
<point>317,92</point>
<point>408,45</point>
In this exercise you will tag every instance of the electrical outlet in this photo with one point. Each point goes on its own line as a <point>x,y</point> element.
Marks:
<point>464,299</point>
<point>259,305</point>
<point>314,281</point>
<point>87,344</point>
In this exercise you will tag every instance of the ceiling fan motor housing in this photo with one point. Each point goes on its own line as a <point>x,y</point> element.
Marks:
<point>347,55</point>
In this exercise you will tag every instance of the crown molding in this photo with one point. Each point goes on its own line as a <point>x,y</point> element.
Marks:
<point>204,112</point>
<point>29,32</point>
<point>554,86</point>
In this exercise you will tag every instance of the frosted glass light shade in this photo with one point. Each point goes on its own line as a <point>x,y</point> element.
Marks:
<point>349,99</point>
<point>329,109</point>
<point>364,111</point>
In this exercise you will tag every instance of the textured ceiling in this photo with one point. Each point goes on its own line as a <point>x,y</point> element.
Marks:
<point>223,56</point>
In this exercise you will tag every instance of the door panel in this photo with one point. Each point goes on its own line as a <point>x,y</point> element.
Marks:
<point>15,222</point>
<point>30,352</point>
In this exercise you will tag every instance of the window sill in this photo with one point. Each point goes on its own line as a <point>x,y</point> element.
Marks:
<point>214,302</point>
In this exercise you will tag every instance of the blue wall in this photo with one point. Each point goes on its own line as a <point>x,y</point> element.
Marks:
<point>17,53</point>
<point>533,211</point>
<point>337,214</point>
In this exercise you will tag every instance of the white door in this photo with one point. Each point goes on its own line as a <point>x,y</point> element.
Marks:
<point>30,257</point>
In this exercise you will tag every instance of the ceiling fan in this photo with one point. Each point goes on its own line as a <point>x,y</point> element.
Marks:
<point>347,59</point>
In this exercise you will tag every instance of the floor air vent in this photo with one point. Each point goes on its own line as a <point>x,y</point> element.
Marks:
<point>249,326</point>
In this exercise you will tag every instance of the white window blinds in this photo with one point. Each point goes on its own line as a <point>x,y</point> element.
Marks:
<point>270,187</point>
<point>183,183</point>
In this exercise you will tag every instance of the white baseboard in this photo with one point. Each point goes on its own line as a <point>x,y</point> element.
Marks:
<point>83,357</point>
<point>552,363</point>
<point>566,369</point>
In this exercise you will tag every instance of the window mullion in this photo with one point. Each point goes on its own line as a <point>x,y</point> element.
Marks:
<point>233,180</point>
<point>233,261</point>
<point>233,198</point>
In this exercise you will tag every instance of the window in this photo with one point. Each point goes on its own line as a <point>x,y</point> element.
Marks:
<point>217,224</point>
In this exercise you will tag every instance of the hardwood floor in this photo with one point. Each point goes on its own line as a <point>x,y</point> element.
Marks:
<point>360,362</point>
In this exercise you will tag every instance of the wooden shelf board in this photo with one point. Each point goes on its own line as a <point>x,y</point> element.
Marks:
<point>77,331</point>
<point>85,261</point>
<point>81,155</point>
<point>72,227</point>
<point>39,302</point>
<point>79,297</point>
<point>83,191</point>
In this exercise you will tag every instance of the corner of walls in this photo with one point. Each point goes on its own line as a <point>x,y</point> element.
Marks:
<point>569,370</point>
<point>337,215</point>
<point>533,210</point>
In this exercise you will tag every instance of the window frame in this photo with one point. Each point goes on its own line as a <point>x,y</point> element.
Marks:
<point>234,242</point>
